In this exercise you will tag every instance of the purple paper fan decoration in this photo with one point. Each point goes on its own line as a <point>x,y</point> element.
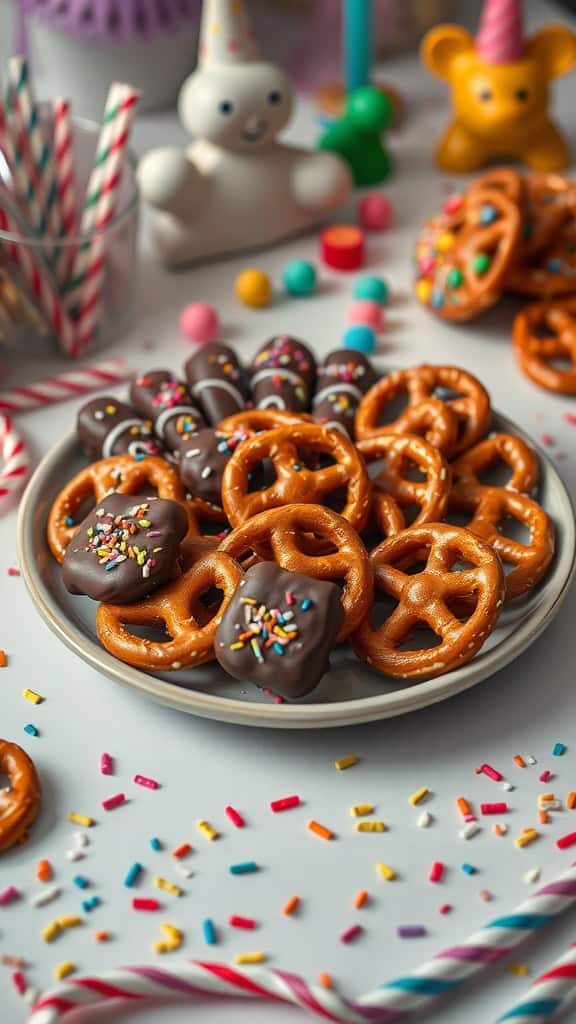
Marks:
<point>114,21</point>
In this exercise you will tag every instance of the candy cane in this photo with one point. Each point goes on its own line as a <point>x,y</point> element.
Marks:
<point>66,385</point>
<point>393,1001</point>
<point>548,994</point>
<point>14,457</point>
<point>65,183</point>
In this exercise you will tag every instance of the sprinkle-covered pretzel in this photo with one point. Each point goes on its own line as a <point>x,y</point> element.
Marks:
<point>500,448</point>
<point>543,334</point>
<point>551,272</point>
<point>120,473</point>
<point>178,608</point>
<point>284,531</point>
<point>452,424</point>
<point>20,801</point>
<point>295,483</point>
<point>426,597</point>
<point>503,179</point>
<point>487,508</point>
<point>464,254</point>
<point>401,453</point>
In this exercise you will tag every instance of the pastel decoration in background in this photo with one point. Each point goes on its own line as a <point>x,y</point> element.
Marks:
<point>358,34</point>
<point>357,136</point>
<point>342,247</point>
<point>200,323</point>
<point>366,311</point>
<point>371,287</point>
<point>80,46</point>
<point>236,186</point>
<point>361,338</point>
<point>375,211</point>
<point>300,278</point>
<point>500,90</point>
<point>253,287</point>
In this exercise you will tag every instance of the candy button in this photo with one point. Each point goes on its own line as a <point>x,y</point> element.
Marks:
<point>454,277</point>
<point>445,241</point>
<point>368,312</point>
<point>453,204</point>
<point>437,299</point>
<point>299,277</point>
<point>481,263</point>
<point>342,247</point>
<point>360,338</point>
<point>375,211</point>
<point>373,288</point>
<point>426,265</point>
<point>423,291</point>
<point>253,287</point>
<point>488,214</point>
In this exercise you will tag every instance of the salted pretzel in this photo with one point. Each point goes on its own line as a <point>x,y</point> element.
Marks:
<point>504,449</point>
<point>487,508</point>
<point>295,483</point>
<point>262,419</point>
<point>464,255</point>
<point>551,203</point>
<point>120,473</point>
<point>19,803</point>
<point>452,424</point>
<point>283,531</point>
<point>401,452</point>
<point>176,606</point>
<point>426,597</point>
<point>544,333</point>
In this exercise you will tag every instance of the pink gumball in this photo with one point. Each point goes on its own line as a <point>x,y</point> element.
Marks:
<point>375,211</point>
<point>200,323</point>
<point>365,311</point>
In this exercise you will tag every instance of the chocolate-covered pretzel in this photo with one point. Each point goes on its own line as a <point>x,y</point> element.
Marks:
<point>283,373</point>
<point>125,548</point>
<point>203,459</point>
<point>217,381</point>
<point>160,397</point>
<point>108,427</point>
<point>342,379</point>
<point>279,629</point>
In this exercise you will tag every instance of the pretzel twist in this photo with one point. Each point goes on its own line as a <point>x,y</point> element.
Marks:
<point>424,597</point>
<point>176,606</point>
<point>283,532</point>
<point>262,419</point>
<point>500,448</point>
<point>545,332</point>
<point>20,802</point>
<point>119,473</point>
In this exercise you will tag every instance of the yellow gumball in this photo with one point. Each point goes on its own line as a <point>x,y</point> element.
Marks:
<point>253,287</point>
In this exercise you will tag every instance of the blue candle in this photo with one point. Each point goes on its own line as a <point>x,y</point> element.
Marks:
<point>357,42</point>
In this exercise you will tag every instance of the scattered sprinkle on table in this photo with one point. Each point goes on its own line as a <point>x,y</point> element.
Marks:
<point>325,980</point>
<point>360,898</point>
<point>369,826</point>
<point>206,829</point>
<point>143,780</point>
<point>114,801</point>
<point>163,883</point>
<point>209,932</point>
<point>469,869</point>
<point>81,819</point>
<point>155,843</point>
<point>132,875</point>
<point>91,904</point>
<point>44,871</point>
<point>237,921</point>
<point>385,871</point>
<point>411,931</point>
<point>565,841</point>
<point>80,882</point>
<point>470,830</point>
<point>9,895</point>
<point>234,816</point>
<point>101,936</point>
<point>106,765</point>
<point>250,958</point>
<point>545,776</point>
<point>182,851</point>
<point>520,969</point>
<point>358,810</point>
<point>319,830</point>
<point>498,808</point>
<point>145,904</point>
<point>31,729</point>
<point>558,749</point>
<point>531,876</point>
<point>346,762</point>
<point>436,871</point>
<point>465,809</point>
<point>491,772</point>
<point>424,820</point>
<point>420,795</point>
<point>527,837</point>
<point>63,970</point>
<point>3,659</point>
<point>247,867</point>
<point>32,696</point>
<point>351,933</point>
<point>519,760</point>
<point>291,906</point>
<point>285,803</point>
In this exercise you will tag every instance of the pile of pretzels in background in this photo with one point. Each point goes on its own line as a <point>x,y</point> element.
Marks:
<point>297,491</point>
<point>509,232</point>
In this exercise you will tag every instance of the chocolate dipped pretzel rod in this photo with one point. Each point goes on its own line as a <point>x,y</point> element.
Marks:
<point>283,373</point>
<point>108,427</point>
<point>160,397</point>
<point>217,381</point>
<point>343,378</point>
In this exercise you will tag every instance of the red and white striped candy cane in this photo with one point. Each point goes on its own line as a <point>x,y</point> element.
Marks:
<point>65,184</point>
<point>66,385</point>
<point>14,462</point>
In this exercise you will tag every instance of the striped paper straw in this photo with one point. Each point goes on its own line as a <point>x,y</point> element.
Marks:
<point>35,145</point>
<point>23,181</point>
<point>40,283</point>
<point>548,994</point>
<point>71,384</point>
<point>65,183</point>
<point>88,279</point>
<point>391,1002</point>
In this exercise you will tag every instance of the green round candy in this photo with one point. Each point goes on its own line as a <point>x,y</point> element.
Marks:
<point>368,109</point>
<point>299,277</point>
<point>373,288</point>
<point>455,277</point>
<point>481,263</point>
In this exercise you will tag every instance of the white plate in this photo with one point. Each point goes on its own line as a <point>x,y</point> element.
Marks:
<point>350,693</point>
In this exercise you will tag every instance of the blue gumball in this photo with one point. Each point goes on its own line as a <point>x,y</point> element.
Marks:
<point>373,288</point>
<point>299,277</point>
<point>361,338</point>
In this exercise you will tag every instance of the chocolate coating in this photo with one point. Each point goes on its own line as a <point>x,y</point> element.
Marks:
<point>293,668</point>
<point>101,560</point>
<point>283,373</point>
<point>203,458</point>
<point>217,381</point>
<point>160,397</point>
<point>343,378</point>
<point>108,427</point>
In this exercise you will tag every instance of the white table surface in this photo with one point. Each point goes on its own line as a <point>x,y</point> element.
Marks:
<point>203,766</point>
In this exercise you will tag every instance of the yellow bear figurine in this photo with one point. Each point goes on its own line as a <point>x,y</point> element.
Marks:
<point>500,87</point>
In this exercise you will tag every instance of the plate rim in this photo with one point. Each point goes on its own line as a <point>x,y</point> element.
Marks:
<point>289,716</point>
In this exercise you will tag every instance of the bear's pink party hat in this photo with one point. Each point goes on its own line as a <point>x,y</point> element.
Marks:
<point>226,36</point>
<point>500,38</point>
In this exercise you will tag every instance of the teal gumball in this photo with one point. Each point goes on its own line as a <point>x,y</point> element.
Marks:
<point>299,277</point>
<point>373,288</point>
<point>361,338</point>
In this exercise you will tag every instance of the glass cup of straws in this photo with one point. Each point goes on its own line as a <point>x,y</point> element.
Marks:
<point>67,275</point>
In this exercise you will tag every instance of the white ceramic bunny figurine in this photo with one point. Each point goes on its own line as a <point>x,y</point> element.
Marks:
<point>236,186</point>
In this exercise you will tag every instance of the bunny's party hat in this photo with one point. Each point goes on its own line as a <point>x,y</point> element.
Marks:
<point>226,36</point>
